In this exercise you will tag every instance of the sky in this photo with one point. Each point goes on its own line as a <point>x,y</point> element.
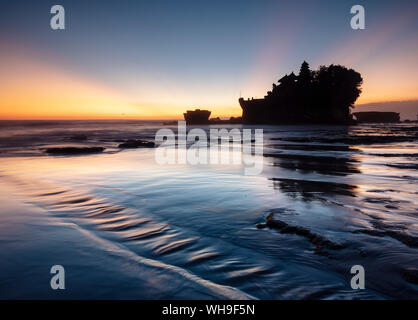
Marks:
<point>157,59</point>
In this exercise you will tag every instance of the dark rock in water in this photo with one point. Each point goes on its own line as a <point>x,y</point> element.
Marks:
<point>197,116</point>
<point>377,117</point>
<point>130,144</point>
<point>169,123</point>
<point>74,150</point>
<point>410,275</point>
<point>401,236</point>
<point>79,137</point>
<point>231,120</point>
<point>317,240</point>
<point>398,232</point>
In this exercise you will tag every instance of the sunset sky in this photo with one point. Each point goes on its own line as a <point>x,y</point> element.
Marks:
<point>156,59</point>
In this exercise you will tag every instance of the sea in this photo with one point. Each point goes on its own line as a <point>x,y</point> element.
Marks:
<point>126,227</point>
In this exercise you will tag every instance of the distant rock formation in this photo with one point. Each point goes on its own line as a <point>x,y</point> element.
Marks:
<point>79,137</point>
<point>74,150</point>
<point>169,123</point>
<point>202,117</point>
<point>377,117</point>
<point>231,120</point>
<point>131,144</point>
<point>197,116</point>
<point>322,96</point>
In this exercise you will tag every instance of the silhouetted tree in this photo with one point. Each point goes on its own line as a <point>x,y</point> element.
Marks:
<point>305,74</point>
<point>336,90</point>
<point>303,98</point>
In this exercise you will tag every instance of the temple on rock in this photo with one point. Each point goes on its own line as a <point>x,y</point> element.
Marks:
<point>322,96</point>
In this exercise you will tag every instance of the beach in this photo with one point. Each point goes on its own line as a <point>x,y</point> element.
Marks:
<point>125,227</point>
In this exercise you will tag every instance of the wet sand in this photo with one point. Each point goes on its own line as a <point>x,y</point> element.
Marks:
<point>125,227</point>
<point>32,241</point>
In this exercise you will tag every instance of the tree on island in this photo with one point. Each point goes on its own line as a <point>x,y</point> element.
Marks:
<point>322,96</point>
<point>336,88</point>
<point>305,74</point>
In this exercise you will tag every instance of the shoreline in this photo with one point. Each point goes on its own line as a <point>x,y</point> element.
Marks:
<point>122,222</point>
<point>95,268</point>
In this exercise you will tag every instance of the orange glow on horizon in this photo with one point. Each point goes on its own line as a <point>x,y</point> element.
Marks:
<point>30,88</point>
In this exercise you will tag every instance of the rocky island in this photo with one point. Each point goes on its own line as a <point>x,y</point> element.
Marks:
<point>202,117</point>
<point>377,117</point>
<point>323,96</point>
<point>197,116</point>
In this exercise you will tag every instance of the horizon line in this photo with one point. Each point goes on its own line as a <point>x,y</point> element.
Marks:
<point>169,118</point>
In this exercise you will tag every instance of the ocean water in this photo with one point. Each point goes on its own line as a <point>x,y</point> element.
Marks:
<point>124,226</point>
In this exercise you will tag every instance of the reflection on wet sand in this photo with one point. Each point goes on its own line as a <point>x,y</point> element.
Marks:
<point>352,139</point>
<point>308,189</point>
<point>327,200</point>
<point>313,147</point>
<point>338,166</point>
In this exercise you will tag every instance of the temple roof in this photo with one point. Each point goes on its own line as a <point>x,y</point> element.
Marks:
<point>287,78</point>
